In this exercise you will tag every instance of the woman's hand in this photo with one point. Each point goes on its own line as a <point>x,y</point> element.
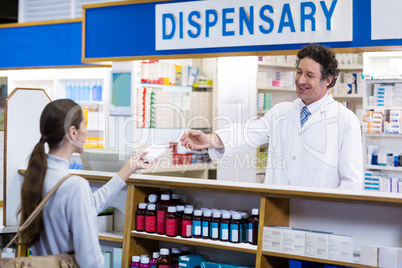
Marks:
<point>134,163</point>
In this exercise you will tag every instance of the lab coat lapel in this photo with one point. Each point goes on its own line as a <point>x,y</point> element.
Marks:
<point>318,115</point>
<point>296,115</point>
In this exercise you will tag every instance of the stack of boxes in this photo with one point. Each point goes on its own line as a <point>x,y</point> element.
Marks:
<point>315,244</point>
<point>200,114</point>
<point>374,181</point>
<point>380,256</point>
<point>284,79</point>
<point>264,101</point>
<point>373,121</point>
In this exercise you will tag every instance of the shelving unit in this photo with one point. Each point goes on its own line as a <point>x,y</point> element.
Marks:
<point>275,209</point>
<point>387,143</point>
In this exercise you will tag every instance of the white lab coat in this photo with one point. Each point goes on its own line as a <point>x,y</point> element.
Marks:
<point>326,152</point>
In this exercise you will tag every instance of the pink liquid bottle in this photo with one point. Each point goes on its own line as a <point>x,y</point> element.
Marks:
<point>144,262</point>
<point>135,261</point>
<point>154,262</point>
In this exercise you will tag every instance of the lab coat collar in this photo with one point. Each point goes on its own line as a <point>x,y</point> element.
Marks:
<point>314,117</point>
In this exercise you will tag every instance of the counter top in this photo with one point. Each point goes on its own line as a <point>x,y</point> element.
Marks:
<point>279,191</point>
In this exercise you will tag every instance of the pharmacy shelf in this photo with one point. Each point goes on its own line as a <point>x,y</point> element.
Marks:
<point>279,65</point>
<point>262,89</point>
<point>114,236</point>
<point>262,111</point>
<point>347,96</point>
<point>203,86</point>
<point>312,259</point>
<point>242,247</point>
<point>171,88</point>
<point>350,67</point>
<point>384,108</point>
<point>383,135</point>
<point>387,168</point>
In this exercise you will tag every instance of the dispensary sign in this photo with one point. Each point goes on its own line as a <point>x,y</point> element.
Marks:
<point>229,23</point>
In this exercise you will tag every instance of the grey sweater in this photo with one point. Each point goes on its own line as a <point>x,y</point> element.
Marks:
<point>70,215</point>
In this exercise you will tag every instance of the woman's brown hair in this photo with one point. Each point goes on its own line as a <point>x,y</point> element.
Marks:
<point>55,121</point>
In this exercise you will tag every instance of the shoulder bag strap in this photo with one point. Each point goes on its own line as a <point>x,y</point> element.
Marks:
<point>36,212</point>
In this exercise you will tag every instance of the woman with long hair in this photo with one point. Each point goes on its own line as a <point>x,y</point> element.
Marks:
<point>68,221</point>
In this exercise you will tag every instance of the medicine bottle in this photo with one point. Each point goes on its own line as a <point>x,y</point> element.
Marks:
<point>135,261</point>
<point>154,261</point>
<point>197,223</point>
<point>253,223</point>
<point>235,226</point>
<point>176,200</point>
<point>224,227</point>
<point>187,223</point>
<point>205,223</point>
<point>171,222</point>
<point>140,217</point>
<point>186,250</point>
<point>161,211</point>
<point>153,198</point>
<point>175,257</point>
<point>164,260</point>
<point>180,213</point>
<point>214,230</point>
<point>144,262</point>
<point>244,227</point>
<point>150,219</point>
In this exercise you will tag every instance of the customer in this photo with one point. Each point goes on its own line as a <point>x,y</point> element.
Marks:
<point>313,141</point>
<point>68,221</point>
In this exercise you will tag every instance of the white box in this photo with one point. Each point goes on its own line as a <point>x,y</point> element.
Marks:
<point>272,238</point>
<point>389,257</point>
<point>117,255</point>
<point>294,241</point>
<point>369,255</point>
<point>317,244</point>
<point>105,220</point>
<point>340,248</point>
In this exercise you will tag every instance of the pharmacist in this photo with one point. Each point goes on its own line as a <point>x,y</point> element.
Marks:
<point>313,141</point>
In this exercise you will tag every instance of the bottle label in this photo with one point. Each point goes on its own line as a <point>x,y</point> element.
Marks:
<point>196,227</point>
<point>171,227</point>
<point>140,223</point>
<point>214,230</point>
<point>205,228</point>
<point>153,266</point>
<point>224,231</point>
<point>165,266</point>
<point>150,223</point>
<point>179,226</point>
<point>250,232</point>
<point>187,226</point>
<point>234,232</point>
<point>160,221</point>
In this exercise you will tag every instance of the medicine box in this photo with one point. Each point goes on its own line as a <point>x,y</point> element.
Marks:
<point>272,238</point>
<point>340,248</point>
<point>317,244</point>
<point>105,220</point>
<point>294,241</point>
<point>369,255</point>
<point>390,257</point>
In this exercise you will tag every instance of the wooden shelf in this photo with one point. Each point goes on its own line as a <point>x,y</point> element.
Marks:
<point>384,108</point>
<point>279,65</point>
<point>383,135</point>
<point>262,89</point>
<point>115,236</point>
<point>350,67</point>
<point>347,96</point>
<point>168,87</point>
<point>241,247</point>
<point>312,259</point>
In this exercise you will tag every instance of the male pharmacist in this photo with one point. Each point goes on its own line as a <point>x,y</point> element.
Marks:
<point>313,141</point>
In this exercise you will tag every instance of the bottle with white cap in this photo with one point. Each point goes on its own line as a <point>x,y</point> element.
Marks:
<point>161,211</point>
<point>235,226</point>
<point>154,262</point>
<point>171,222</point>
<point>175,257</point>
<point>144,262</point>
<point>253,223</point>
<point>164,260</point>
<point>135,261</point>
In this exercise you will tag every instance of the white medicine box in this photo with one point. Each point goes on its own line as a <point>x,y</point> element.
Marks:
<point>369,255</point>
<point>390,257</point>
<point>105,220</point>
<point>272,238</point>
<point>317,244</point>
<point>340,248</point>
<point>294,241</point>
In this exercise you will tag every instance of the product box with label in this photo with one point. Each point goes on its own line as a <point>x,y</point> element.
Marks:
<point>272,238</point>
<point>294,241</point>
<point>105,220</point>
<point>340,248</point>
<point>317,244</point>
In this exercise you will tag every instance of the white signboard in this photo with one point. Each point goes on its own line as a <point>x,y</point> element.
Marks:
<point>229,23</point>
<point>386,19</point>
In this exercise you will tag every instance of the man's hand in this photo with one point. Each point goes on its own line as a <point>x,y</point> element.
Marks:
<point>196,140</point>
